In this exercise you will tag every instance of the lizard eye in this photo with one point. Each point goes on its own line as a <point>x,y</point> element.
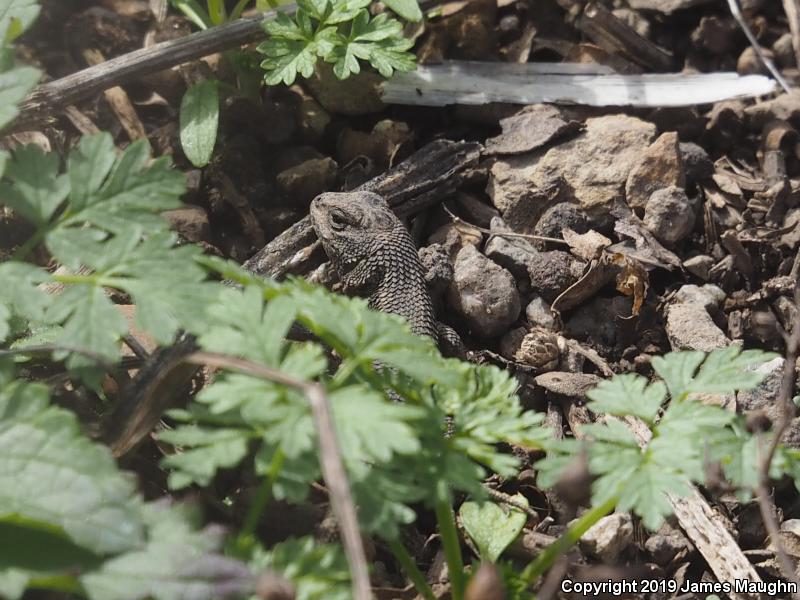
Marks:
<point>338,219</point>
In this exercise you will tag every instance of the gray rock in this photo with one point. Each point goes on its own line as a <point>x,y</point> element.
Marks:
<point>438,270</point>
<point>307,180</point>
<point>190,222</point>
<point>560,216</point>
<point>765,395</point>
<point>669,215</point>
<point>607,538</point>
<point>532,127</point>
<point>512,253</point>
<point>699,265</point>
<point>666,544</point>
<point>552,272</point>
<point>659,166</point>
<point>539,314</point>
<point>596,322</point>
<point>690,327</point>
<point>708,296</point>
<point>483,293</point>
<point>696,162</point>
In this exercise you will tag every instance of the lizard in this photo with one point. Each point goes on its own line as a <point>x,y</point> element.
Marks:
<point>374,256</point>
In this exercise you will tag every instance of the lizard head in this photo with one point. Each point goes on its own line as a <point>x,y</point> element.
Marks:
<point>351,225</point>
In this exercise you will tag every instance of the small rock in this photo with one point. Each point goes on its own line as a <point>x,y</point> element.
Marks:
<point>559,217</point>
<point>786,107</point>
<point>483,293</point>
<point>765,395</point>
<point>597,321</point>
<point>529,129</point>
<point>784,51</point>
<point>387,141</point>
<point>539,314</point>
<point>453,236</point>
<point>607,538</point>
<point>716,34</point>
<point>312,119</point>
<point>552,272</point>
<point>354,96</point>
<point>512,253</point>
<point>189,222</point>
<point>666,544</point>
<point>690,327</point>
<point>438,270</point>
<point>660,166</point>
<point>696,163</point>
<point>699,265</point>
<point>665,6</point>
<point>307,180</point>
<point>749,63</point>
<point>668,215</point>
<point>725,123</point>
<point>708,296</point>
<point>476,212</point>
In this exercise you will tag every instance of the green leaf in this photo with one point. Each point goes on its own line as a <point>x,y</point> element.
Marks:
<point>178,561</point>
<point>371,428</point>
<point>51,474</point>
<point>199,119</point>
<point>628,394</point>
<point>408,9</point>
<point>210,450</point>
<point>317,571</point>
<point>492,527</point>
<point>14,86</point>
<point>15,17</point>
<point>38,189</point>
<point>723,370</point>
<point>645,493</point>
<point>91,322</point>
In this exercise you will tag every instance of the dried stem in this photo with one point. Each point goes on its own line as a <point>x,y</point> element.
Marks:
<point>506,234</point>
<point>52,97</point>
<point>333,471</point>
<point>736,11</point>
<point>765,503</point>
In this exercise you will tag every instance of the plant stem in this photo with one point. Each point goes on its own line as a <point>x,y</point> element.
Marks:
<point>452,548</point>
<point>569,538</point>
<point>410,567</point>
<point>262,497</point>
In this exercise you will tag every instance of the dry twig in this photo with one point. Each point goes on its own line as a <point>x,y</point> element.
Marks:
<point>766,505</point>
<point>506,234</point>
<point>736,11</point>
<point>52,97</point>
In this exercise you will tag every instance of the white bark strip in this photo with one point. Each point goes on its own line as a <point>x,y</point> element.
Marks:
<point>463,82</point>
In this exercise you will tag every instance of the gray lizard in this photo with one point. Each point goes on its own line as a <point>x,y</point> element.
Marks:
<point>374,255</point>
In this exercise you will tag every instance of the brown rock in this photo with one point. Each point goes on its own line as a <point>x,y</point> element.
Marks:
<point>190,222</point>
<point>660,166</point>
<point>308,179</point>
<point>596,165</point>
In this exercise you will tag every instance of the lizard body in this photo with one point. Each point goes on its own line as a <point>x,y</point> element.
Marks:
<point>374,255</point>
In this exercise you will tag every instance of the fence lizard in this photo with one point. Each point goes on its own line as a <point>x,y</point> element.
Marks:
<point>374,255</point>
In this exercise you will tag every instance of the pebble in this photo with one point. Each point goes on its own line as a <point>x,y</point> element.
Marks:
<point>669,215</point>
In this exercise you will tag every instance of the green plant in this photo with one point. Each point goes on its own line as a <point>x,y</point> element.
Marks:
<point>340,32</point>
<point>214,13</point>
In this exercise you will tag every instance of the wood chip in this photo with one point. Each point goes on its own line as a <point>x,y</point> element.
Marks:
<point>463,82</point>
